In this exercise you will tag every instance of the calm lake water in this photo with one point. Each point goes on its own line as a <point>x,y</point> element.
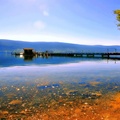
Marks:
<point>59,88</point>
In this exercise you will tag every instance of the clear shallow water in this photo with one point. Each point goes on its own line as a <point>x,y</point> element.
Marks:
<point>46,87</point>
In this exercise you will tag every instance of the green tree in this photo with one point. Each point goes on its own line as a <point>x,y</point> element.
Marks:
<point>117,12</point>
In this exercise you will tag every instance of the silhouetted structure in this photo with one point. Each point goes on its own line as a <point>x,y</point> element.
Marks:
<point>28,57</point>
<point>28,51</point>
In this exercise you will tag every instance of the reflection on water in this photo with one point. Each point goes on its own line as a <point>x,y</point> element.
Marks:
<point>82,89</point>
<point>7,60</point>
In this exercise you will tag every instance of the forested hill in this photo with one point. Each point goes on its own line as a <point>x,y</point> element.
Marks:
<point>10,45</point>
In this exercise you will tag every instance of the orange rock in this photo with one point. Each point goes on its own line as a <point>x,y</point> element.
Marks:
<point>4,112</point>
<point>15,102</point>
<point>77,110</point>
<point>94,83</point>
<point>115,104</point>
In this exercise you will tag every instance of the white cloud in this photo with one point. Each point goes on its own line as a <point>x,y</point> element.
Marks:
<point>41,5</point>
<point>39,25</point>
<point>44,9</point>
<point>45,13</point>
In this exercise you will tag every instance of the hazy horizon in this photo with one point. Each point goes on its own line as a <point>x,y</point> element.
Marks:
<point>56,42</point>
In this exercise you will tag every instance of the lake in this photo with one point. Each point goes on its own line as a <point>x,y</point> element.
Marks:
<point>59,88</point>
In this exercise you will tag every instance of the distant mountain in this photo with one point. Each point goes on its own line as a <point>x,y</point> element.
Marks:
<point>10,45</point>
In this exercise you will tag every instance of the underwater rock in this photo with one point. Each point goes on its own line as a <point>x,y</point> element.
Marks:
<point>56,85</point>
<point>15,102</point>
<point>5,112</point>
<point>48,86</point>
<point>91,95</point>
<point>3,119</point>
<point>1,94</point>
<point>72,92</point>
<point>96,94</point>
<point>94,83</point>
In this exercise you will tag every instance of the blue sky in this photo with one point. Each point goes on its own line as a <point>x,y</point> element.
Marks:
<point>90,22</point>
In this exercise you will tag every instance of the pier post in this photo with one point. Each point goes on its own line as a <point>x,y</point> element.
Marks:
<point>90,55</point>
<point>105,55</point>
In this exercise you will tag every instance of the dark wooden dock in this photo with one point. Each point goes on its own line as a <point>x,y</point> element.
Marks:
<point>88,55</point>
<point>103,55</point>
<point>108,55</point>
<point>93,55</point>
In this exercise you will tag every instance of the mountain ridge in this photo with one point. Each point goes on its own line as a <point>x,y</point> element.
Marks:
<point>12,45</point>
